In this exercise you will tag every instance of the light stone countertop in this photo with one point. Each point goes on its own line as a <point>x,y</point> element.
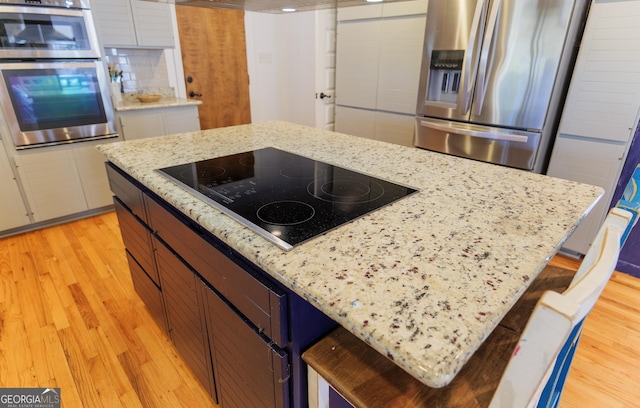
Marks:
<point>423,280</point>
<point>132,104</point>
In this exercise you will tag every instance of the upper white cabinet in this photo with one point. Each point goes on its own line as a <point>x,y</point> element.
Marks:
<point>601,111</point>
<point>143,123</point>
<point>402,8</point>
<point>378,58</point>
<point>13,213</point>
<point>133,23</point>
<point>399,64</point>
<point>357,63</point>
<point>153,24</point>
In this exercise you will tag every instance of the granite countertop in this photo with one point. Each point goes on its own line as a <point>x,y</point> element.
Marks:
<point>132,104</point>
<point>424,280</point>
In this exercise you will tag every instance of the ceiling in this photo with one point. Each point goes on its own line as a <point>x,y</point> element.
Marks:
<point>275,6</point>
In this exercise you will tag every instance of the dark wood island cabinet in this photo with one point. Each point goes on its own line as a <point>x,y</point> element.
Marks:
<point>240,332</point>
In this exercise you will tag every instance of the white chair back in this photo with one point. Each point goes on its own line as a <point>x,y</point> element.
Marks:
<point>538,367</point>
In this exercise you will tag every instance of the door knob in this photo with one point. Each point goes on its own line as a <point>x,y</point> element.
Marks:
<point>193,94</point>
<point>324,95</point>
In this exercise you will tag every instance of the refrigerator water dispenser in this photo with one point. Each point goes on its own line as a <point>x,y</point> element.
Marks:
<point>445,75</point>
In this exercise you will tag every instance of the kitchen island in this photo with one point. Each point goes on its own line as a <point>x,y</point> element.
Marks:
<point>423,280</point>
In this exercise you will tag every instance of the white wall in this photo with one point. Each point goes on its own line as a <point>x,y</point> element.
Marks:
<point>173,57</point>
<point>282,69</point>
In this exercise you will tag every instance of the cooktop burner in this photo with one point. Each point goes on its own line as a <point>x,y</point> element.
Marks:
<point>286,198</point>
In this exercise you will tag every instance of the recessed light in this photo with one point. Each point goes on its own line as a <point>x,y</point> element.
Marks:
<point>288,9</point>
<point>374,1</point>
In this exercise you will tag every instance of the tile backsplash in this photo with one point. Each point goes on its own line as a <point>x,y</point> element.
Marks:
<point>141,68</point>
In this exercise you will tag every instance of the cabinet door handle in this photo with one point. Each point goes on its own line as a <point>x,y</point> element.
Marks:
<point>193,94</point>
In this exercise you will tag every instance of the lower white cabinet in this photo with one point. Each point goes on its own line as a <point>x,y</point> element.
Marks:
<point>93,177</point>
<point>51,183</point>
<point>63,180</point>
<point>13,212</point>
<point>143,123</point>
<point>384,126</point>
<point>589,161</point>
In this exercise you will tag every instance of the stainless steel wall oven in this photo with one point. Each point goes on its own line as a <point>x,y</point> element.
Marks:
<point>53,86</point>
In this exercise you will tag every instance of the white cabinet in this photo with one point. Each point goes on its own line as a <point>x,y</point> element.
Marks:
<point>601,110</point>
<point>180,120</point>
<point>377,125</point>
<point>133,23</point>
<point>592,162</point>
<point>51,183</point>
<point>403,8</point>
<point>141,124</point>
<point>114,22</point>
<point>13,213</point>
<point>138,124</point>
<point>399,63</point>
<point>62,181</point>
<point>378,63</point>
<point>357,56</point>
<point>378,58</point>
<point>90,164</point>
<point>153,24</point>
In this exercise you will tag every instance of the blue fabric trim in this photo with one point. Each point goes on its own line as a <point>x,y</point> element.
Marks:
<point>552,391</point>
<point>630,201</point>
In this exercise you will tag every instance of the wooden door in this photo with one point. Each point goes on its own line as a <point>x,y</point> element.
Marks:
<point>215,64</point>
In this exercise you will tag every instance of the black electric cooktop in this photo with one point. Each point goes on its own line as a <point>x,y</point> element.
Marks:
<point>286,198</point>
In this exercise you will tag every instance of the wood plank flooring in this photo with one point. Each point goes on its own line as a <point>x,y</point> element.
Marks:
<point>69,318</point>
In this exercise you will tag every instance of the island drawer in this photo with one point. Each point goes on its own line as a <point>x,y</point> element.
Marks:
<point>184,316</point>
<point>148,292</point>
<point>249,371</point>
<point>126,191</point>
<point>137,239</point>
<point>260,301</point>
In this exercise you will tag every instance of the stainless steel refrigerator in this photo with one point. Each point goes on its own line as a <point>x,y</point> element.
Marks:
<point>494,77</point>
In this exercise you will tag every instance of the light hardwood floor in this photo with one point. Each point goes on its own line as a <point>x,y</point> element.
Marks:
<point>69,318</point>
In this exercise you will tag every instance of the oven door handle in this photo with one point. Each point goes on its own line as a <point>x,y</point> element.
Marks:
<point>450,128</point>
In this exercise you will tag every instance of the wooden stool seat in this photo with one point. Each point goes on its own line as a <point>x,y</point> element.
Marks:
<point>366,378</point>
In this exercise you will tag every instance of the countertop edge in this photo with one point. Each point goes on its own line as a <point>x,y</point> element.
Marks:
<point>162,103</point>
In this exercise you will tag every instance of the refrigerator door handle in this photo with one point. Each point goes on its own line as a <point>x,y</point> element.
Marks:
<point>470,58</point>
<point>486,62</point>
<point>497,135</point>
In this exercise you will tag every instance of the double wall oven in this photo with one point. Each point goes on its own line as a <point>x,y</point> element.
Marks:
<point>54,88</point>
